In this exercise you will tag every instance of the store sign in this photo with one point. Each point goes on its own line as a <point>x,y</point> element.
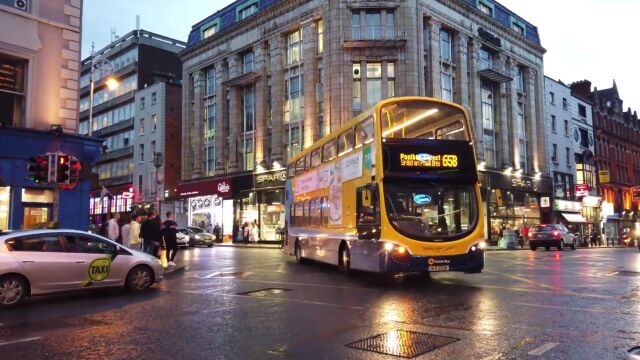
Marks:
<point>582,190</point>
<point>220,187</point>
<point>270,179</point>
<point>635,193</point>
<point>545,202</point>
<point>591,201</point>
<point>11,75</point>
<point>564,205</point>
<point>604,176</point>
<point>200,203</point>
<point>607,209</point>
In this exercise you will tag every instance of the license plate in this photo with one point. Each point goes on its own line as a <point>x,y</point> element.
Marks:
<point>439,268</point>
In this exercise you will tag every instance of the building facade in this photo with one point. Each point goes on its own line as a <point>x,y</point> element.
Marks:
<point>39,63</point>
<point>571,147</point>
<point>156,145</point>
<point>259,88</point>
<point>139,59</point>
<point>617,158</point>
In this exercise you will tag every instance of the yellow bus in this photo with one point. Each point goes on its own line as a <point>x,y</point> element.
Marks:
<point>394,190</point>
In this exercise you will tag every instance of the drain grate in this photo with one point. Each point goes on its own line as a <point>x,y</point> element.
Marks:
<point>265,292</point>
<point>406,344</point>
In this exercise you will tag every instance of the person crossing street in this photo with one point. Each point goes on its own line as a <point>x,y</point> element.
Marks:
<point>169,233</point>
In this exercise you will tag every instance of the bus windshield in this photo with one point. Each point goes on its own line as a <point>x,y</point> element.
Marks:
<point>419,119</point>
<point>428,211</point>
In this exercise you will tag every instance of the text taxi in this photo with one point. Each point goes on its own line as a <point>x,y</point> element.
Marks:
<point>36,262</point>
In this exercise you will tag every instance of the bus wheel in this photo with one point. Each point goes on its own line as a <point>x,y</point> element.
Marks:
<point>344,262</point>
<point>298,252</point>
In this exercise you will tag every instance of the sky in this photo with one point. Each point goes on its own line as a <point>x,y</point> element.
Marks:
<point>585,39</point>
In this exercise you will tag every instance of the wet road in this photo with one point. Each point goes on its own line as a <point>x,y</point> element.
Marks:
<point>543,305</point>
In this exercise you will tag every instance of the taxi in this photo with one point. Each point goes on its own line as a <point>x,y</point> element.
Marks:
<point>38,262</point>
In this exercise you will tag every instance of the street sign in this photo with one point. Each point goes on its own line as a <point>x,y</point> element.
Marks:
<point>604,176</point>
<point>545,202</point>
<point>582,190</point>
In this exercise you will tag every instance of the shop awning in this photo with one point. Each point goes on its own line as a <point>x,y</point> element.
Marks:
<point>573,218</point>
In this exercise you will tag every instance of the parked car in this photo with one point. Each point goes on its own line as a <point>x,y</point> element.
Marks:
<point>201,237</point>
<point>37,262</point>
<point>548,235</point>
<point>184,239</point>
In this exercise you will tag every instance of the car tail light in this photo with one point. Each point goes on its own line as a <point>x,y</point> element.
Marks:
<point>556,233</point>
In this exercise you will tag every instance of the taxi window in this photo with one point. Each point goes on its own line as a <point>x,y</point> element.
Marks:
<point>36,244</point>
<point>89,244</point>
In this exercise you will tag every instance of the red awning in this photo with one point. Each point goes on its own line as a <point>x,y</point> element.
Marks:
<point>220,187</point>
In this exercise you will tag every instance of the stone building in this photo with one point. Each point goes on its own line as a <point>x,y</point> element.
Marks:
<point>263,80</point>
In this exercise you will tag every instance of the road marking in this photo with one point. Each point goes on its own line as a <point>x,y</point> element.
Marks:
<point>20,341</point>
<point>542,349</point>
<point>561,307</point>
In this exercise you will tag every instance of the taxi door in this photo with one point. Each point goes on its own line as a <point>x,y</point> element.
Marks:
<point>96,263</point>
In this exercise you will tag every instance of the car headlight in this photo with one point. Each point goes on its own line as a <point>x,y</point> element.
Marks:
<point>197,237</point>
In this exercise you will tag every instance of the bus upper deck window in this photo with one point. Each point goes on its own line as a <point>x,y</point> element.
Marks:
<point>345,142</point>
<point>329,151</point>
<point>364,132</point>
<point>315,158</point>
<point>300,166</point>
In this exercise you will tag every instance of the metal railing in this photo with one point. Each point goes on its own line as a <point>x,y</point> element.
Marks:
<point>372,33</point>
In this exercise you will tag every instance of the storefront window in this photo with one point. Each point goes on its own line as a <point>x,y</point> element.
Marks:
<point>511,210</point>
<point>271,214</point>
<point>5,205</point>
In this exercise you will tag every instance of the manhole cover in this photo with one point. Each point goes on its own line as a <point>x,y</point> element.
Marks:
<point>407,344</point>
<point>627,273</point>
<point>265,292</point>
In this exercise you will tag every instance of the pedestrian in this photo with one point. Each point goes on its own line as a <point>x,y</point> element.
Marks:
<point>256,229</point>
<point>113,230</point>
<point>170,233</point>
<point>126,231</point>
<point>209,229</point>
<point>134,233</point>
<point>217,232</point>
<point>102,230</point>
<point>235,236</point>
<point>150,234</point>
<point>245,232</point>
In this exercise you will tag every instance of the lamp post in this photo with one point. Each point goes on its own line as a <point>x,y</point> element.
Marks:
<point>157,163</point>
<point>98,62</point>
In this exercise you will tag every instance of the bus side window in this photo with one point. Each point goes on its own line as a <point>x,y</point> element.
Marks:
<point>367,206</point>
<point>292,215</point>
<point>300,166</point>
<point>364,132</point>
<point>324,211</point>
<point>329,151</point>
<point>315,158</point>
<point>299,214</point>
<point>291,170</point>
<point>345,142</point>
<point>306,213</point>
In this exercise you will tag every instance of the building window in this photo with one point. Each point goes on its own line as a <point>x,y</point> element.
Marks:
<point>209,31</point>
<point>210,160</point>
<point>374,83</point>
<point>391,79</point>
<point>488,137</point>
<point>565,104</point>
<point>247,62</point>
<point>584,138</point>
<point>519,79</point>
<point>153,147</point>
<point>517,28</point>
<point>446,45</point>
<point>553,123</point>
<point>141,127</point>
<point>373,25</point>
<point>485,8</point>
<point>248,139</point>
<point>552,98</point>
<point>142,102</point>
<point>141,159</point>
<point>357,93</point>
<point>211,81</point>
<point>568,156</point>
<point>294,47</point>
<point>210,125</point>
<point>566,128</point>
<point>522,135</point>
<point>247,11</point>
<point>154,122</point>
<point>355,25</point>
<point>554,153</point>
<point>320,98</point>
<point>154,98</point>
<point>447,87</point>
<point>486,59</point>
<point>320,29</point>
<point>390,25</point>
<point>140,185</point>
<point>582,110</point>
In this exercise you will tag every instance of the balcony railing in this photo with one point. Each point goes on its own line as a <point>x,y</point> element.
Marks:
<point>375,36</point>
<point>491,71</point>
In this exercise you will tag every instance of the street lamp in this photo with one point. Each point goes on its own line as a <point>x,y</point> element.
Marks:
<point>157,163</point>
<point>112,83</point>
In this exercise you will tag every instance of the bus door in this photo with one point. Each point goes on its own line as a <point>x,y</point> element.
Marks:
<point>288,210</point>
<point>367,226</point>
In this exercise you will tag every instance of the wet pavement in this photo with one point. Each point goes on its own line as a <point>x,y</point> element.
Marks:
<point>233,303</point>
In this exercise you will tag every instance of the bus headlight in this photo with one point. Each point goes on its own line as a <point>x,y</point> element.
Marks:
<point>401,250</point>
<point>388,246</point>
<point>482,245</point>
<point>391,247</point>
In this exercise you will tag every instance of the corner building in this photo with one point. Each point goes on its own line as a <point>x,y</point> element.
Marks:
<point>263,80</point>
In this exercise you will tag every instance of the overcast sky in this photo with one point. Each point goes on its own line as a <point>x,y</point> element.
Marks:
<point>585,39</point>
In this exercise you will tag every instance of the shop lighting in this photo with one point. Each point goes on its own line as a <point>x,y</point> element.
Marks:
<point>276,165</point>
<point>537,176</point>
<point>412,121</point>
<point>519,173</point>
<point>508,170</point>
<point>482,165</point>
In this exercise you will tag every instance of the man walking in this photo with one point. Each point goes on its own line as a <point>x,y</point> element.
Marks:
<point>134,233</point>
<point>169,233</point>
<point>113,230</point>
<point>150,234</point>
<point>126,231</point>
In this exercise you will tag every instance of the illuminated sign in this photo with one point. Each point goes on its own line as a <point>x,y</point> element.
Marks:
<point>604,176</point>
<point>428,160</point>
<point>421,199</point>
<point>564,205</point>
<point>582,190</point>
<point>545,202</point>
<point>635,193</point>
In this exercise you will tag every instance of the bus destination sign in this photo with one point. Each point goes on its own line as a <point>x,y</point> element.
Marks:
<point>425,160</point>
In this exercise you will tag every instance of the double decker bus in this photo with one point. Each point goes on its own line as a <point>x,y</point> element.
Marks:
<point>394,190</point>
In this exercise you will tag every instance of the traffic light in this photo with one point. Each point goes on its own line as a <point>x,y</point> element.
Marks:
<point>38,169</point>
<point>62,169</point>
<point>74,171</point>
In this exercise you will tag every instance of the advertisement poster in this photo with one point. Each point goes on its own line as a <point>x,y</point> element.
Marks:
<point>307,182</point>
<point>351,166</point>
<point>335,194</point>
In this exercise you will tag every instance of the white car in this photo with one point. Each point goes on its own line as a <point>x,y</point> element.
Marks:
<point>183,239</point>
<point>37,262</point>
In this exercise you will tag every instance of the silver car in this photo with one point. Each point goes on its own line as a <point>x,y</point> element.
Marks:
<point>36,262</point>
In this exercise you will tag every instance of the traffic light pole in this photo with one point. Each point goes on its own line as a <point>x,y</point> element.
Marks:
<point>56,204</point>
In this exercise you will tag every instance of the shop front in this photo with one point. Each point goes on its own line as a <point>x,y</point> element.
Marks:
<point>110,201</point>
<point>269,189</point>
<point>569,213</point>
<point>512,202</point>
<point>208,203</point>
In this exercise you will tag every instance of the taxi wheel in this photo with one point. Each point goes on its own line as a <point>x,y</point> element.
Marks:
<point>13,290</point>
<point>140,278</point>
